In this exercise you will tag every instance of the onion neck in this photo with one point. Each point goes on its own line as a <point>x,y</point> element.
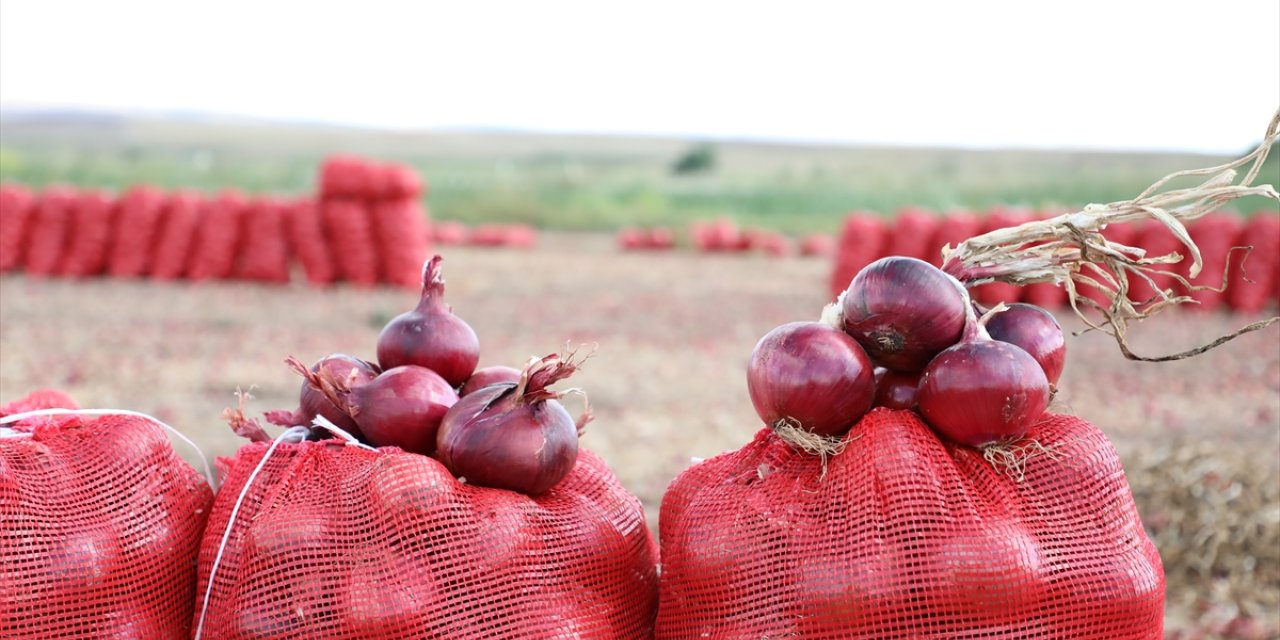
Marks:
<point>833,315</point>
<point>975,327</point>
<point>432,300</point>
<point>541,373</point>
<point>336,390</point>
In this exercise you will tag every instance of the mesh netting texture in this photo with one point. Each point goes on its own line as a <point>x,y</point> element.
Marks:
<point>100,523</point>
<point>264,250</point>
<point>17,208</point>
<point>905,536</point>
<point>348,225</point>
<point>137,223</point>
<point>50,228</point>
<point>335,541</point>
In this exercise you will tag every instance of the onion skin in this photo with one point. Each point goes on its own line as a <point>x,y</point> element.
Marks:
<point>430,335</point>
<point>312,401</point>
<point>487,376</point>
<point>904,311</point>
<point>513,436</point>
<point>402,407</point>
<point>896,389</point>
<point>982,392</point>
<point>1036,331</point>
<point>812,376</point>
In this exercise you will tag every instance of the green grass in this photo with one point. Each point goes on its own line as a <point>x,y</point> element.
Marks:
<point>600,183</point>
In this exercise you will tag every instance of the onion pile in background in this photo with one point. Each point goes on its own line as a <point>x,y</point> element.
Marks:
<point>1253,283</point>
<point>365,226</point>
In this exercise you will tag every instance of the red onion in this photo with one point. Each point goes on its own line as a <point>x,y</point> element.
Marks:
<point>513,436</point>
<point>982,391</point>
<point>904,311</point>
<point>896,389</point>
<point>402,407</point>
<point>430,335</point>
<point>313,402</point>
<point>812,376</point>
<point>1035,330</point>
<point>487,376</point>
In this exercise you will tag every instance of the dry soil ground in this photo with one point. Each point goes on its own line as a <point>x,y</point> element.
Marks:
<point>1200,439</point>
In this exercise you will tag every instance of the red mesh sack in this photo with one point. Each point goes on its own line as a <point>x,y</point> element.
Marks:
<point>713,236</point>
<point>862,241</point>
<point>348,226</point>
<point>954,227</point>
<point>264,248</point>
<point>449,232</point>
<point>1253,278</point>
<point>347,176</point>
<point>520,236</point>
<point>904,536</point>
<point>137,225</point>
<point>1156,240</point>
<point>305,231</point>
<point>16,206</point>
<point>401,182</point>
<point>181,222</point>
<point>218,237</point>
<point>342,542</point>
<point>47,239</point>
<point>911,233</point>
<point>100,522</point>
<point>37,400</point>
<point>400,228</point>
<point>90,242</point>
<point>817,244</point>
<point>1215,234</point>
<point>1045,294</point>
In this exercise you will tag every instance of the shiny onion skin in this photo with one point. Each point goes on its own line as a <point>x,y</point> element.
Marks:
<point>513,436</point>
<point>430,335</point>
<point>402,407</point>
<point>487,376</point>
<point>982,391</point>
<point>896,389</point>
<point>904,311</point>
<point>1035,330</point>
<point>812,376</point>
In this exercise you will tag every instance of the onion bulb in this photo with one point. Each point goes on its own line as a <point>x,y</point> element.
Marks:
<point>904,311</point>
<point>430,335</point>
<point>896,389</point>
<point>401,407</point>
<point>313,402</point>
<point>487,376</point>
<point>982,391</point>
<point>1035,330</point>
<point>812,376</point>
<point>514,436</point>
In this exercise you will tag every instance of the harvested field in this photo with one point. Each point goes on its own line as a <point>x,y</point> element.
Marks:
<point>1200,439</point>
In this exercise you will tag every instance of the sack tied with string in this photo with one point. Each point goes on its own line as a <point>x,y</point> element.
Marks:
<point>906,536</point>
<point>345,542</point>
<point>100,522</point>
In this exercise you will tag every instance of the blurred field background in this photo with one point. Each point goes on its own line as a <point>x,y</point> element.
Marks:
<point>1200,439</point>
<point>581,182</point>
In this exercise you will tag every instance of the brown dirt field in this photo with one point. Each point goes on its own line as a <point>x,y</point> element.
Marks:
<point>1200,439</point>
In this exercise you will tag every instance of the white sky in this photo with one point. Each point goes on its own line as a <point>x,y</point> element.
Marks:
<point>1111,74</point>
